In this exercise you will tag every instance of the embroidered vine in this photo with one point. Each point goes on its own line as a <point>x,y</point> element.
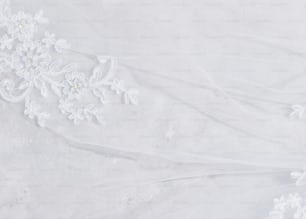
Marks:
<point>31,70</point>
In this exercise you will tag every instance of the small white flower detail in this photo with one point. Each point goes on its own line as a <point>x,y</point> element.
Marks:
<point>31,57</point>
<point>22,26</point>
<point>74,85</point>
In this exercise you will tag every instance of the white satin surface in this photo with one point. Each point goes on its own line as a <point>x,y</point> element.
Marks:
<point>211,137</point>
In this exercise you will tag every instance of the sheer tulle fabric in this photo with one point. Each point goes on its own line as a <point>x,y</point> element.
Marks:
<point>218,129</point>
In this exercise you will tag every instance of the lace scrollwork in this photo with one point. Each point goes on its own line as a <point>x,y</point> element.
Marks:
<point>31,63</point>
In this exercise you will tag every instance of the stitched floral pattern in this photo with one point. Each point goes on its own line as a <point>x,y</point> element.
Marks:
<point>32,70</point>
<point>291,206</point>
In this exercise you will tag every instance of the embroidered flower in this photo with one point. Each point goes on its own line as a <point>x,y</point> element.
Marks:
<point>21,26</point>
<point>30,62</point>
<point>30,58</point>
<point>74,85</point>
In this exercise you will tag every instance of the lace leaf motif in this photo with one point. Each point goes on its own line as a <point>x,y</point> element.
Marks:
<point>29,65</point>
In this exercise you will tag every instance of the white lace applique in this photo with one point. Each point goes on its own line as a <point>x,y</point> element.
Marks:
<point>32,70</point>
<point>293,205</point>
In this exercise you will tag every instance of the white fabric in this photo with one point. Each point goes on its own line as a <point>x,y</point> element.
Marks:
<point>211,137</point>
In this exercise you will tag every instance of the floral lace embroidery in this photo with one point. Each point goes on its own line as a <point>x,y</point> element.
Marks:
<point>291,206</point>
<point>32,70</point>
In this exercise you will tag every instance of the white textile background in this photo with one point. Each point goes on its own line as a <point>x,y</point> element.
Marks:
<point>211,137</point>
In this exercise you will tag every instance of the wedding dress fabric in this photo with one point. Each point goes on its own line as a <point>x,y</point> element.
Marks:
<point>126,109</point>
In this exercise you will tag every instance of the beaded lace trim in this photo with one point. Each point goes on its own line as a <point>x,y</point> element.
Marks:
<point>32,72</point>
